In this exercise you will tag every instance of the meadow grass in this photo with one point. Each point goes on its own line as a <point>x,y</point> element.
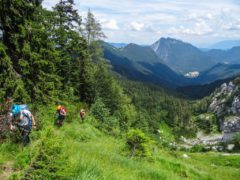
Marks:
<point>80,151</point>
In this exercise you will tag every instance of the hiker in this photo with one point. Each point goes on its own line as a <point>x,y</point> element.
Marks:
<point>24,120</point>
<point>82,114</point>
<point>61,114</point>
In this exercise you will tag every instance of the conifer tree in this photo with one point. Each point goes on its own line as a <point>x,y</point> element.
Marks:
<point>10,84</point>
<point>93,31</point>
<point>76,67</point>
<point>29,46</point>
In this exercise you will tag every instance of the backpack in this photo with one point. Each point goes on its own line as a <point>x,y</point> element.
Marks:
<point>28,115</point>
<point>63,111</point>
<point>82,113</point>
<point>24,107</point>
<point>17,108</point>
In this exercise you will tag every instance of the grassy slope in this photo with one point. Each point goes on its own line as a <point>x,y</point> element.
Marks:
<point>79,151</point>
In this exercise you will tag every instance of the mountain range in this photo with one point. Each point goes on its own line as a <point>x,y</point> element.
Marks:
<point>166,61</point>
<point>135,67</point>
<point>182,57</point>
<point>224,45</point>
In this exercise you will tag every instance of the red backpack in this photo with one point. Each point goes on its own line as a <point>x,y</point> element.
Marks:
<point>63,111</point>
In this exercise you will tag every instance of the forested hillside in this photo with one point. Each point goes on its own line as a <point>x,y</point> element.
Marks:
<point>132,130</point>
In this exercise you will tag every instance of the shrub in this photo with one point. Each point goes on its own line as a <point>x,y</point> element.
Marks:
<point>105,122</point>
<point>198,148</point>
<point>236,141</point>
<point>207,123</point>
<point>139,144</point>
<point>166,138</point>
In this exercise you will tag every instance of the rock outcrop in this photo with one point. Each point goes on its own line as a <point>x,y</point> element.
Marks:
<point>225,104</point>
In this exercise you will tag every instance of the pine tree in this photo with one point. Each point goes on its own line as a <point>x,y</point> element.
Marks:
<point>93,31</point>
<point>10,84</point>
<point>76,67</point>
<point>29,46</point>
<point>66,21</point>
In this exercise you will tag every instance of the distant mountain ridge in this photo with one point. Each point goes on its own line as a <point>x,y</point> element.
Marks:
<point>134,66</point>
<point>181,56</point>
<point>118,45</point>
<point>142,63</point>
<point>218,72</point>
<point>225,45</point>
<point>231,56</point>
<point>140,53</point>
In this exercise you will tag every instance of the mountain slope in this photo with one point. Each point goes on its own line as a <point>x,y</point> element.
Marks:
<point>140,68</point>
<point>181,56</point>
<point>219,71</point>
<point>80,151</point>
<point>201,91</point>
<point>224,45</point>
<point>118,45</point>
<point>138,53</point>
<point>231,56</point>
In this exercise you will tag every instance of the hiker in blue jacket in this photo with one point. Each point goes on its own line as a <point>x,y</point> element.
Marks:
<point>24,120</point>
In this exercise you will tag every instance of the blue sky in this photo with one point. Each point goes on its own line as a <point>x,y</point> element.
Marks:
<point>199,22</point>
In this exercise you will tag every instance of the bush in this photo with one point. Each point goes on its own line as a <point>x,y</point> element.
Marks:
<point>139,144</point>
<point>105,122</point>
<point>207,123</point>
<point>236,141</point>
<point>48,161</point>
<point>198,148</point>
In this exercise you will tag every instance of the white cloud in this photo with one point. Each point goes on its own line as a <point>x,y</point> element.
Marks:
<point>109,24</point>
<point>199,28</point>
<point>140,21</point>
<point>135,26</point>
<point>49,4</point>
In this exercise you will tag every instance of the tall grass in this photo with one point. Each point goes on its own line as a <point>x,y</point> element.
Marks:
<point>79,151</point>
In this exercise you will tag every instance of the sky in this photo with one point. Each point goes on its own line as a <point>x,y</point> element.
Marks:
<point>200,22</point>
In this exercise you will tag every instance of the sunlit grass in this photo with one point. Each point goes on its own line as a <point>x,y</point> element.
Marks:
<point>80,151</point>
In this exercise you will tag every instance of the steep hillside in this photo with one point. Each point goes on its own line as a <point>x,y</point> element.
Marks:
<point>221,108</point>
<point>225,103</point>
<point>224,45</point>
<point>181,56</point>
<point>201,91</point>
<point>118,45</point>
<point>142,68</point>
<point>219,71</point>
<point>231,56</point>
<point>80,151</point>
<point>138,53</point>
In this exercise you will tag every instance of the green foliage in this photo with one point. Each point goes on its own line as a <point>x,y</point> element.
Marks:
<point>198,148</point>
<point>10,84</point>
<point>139,144</point>
<point>207,123</point>
<point>45,56</point>
<point>165,136</point>
<point>108,89</point>
<point>81,151</point>
<point>127,115</point>
<point>30,49</point>
<point>92,28</point>
<point>159,106</point>
<point>104,121</point>
<point>236,141</point>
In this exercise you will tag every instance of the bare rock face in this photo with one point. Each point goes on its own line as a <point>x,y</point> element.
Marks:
<point>231,124</point>
<point>225,104</point>
<point>220,105</point>
<point>236,105</point>
<point>217,107</point>
<point>230,127</point>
